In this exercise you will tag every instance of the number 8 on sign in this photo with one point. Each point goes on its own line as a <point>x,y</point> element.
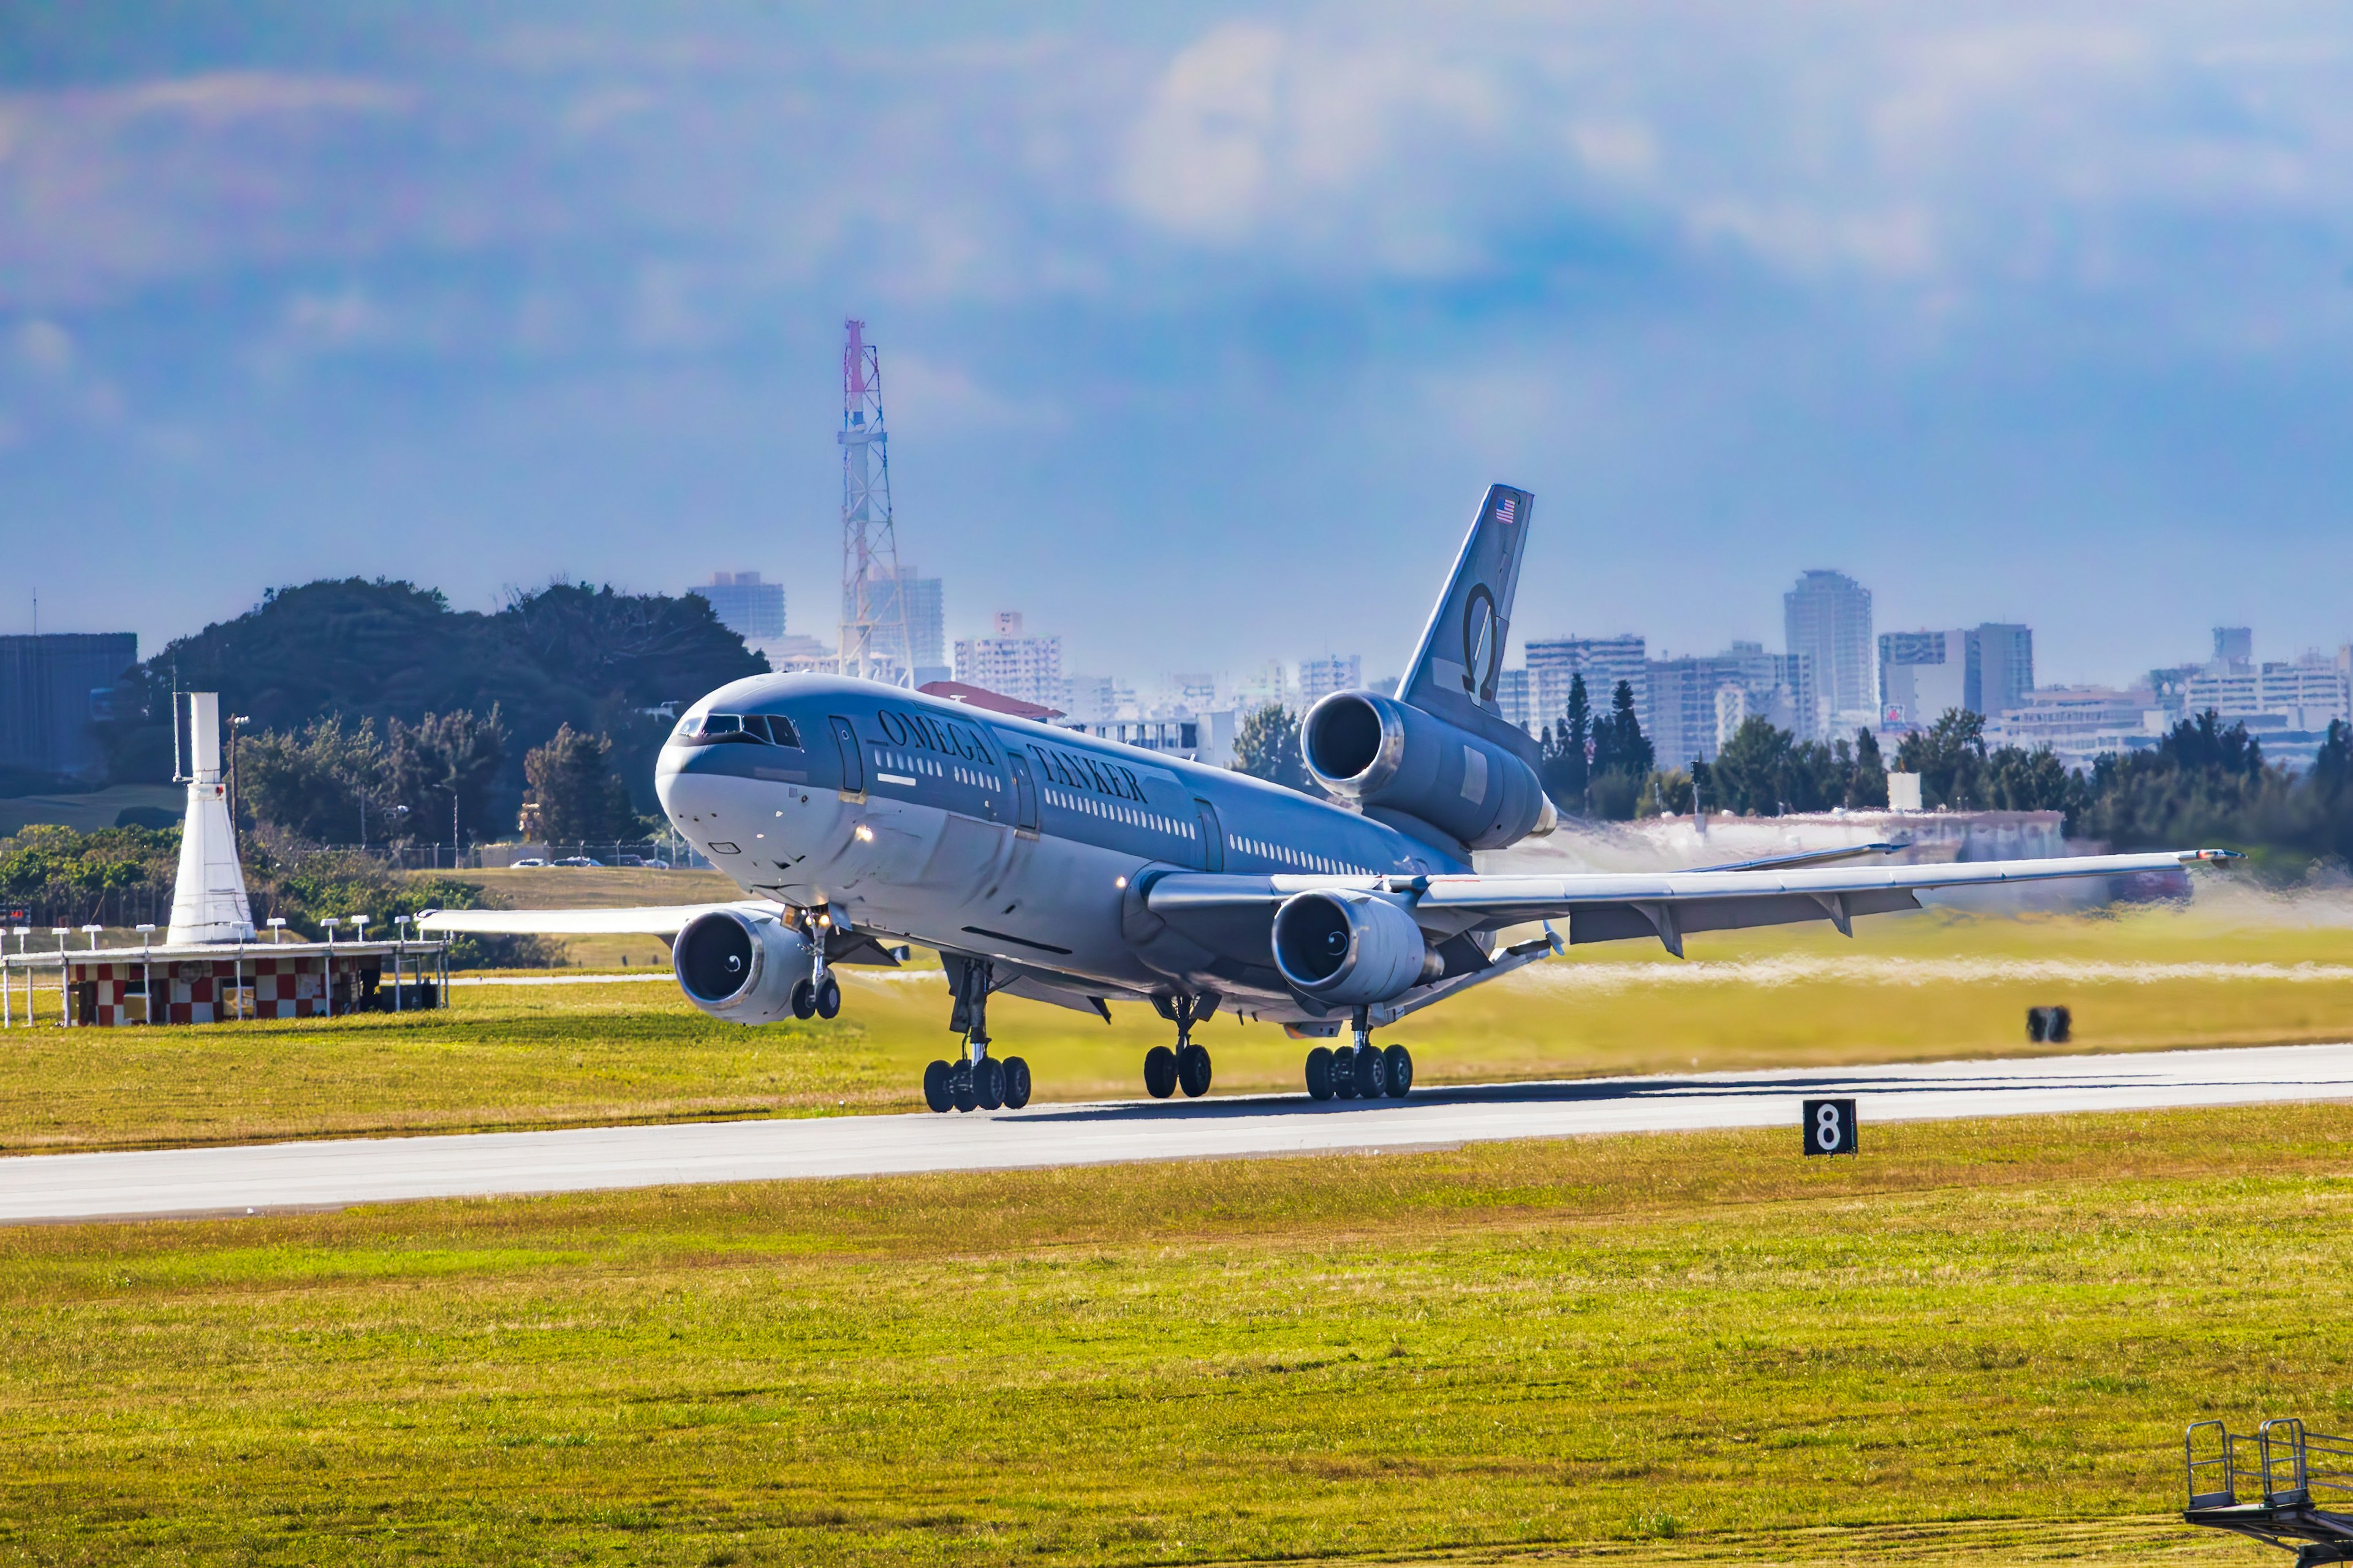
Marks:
<point>1830,1127</point>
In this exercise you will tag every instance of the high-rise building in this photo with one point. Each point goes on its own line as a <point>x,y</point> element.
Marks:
<point>1012,663</point>
<point>1987,670</point>
<point>1827,617</point>
<point>1603,661</point>
<point>52,688</point>
<point>2000,667</point>
<point>750,608</point>
<point>1332,672</point>
<point>1512,701</point>
<point>926,623</point>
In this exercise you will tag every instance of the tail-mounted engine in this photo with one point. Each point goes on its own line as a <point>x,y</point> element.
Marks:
<point>741,966</point>
<point>1350,947</point>
<point>1388,757</point>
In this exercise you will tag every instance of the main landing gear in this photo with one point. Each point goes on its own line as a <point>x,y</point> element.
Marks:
<point>1361,1071</point>
<point>980,1081</point>
<point>1187,1066</point>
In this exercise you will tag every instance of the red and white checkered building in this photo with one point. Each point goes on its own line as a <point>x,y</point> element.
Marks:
<point>112,986</point>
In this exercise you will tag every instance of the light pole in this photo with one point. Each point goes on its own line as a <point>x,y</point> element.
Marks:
<point>65,1001</point>
<point>146,975</point>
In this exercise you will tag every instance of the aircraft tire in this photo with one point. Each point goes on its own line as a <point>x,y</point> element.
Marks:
<point>828,997</point>
<point>804,999</point>
<point>960,1086</point>
<point>988,1083</point>
<point>1193,1071</point>
<point>1343,1073</point>
<point>1398,1064</point>
<point>1017,1083</point>
<point>1160,1072</point>
<point>1319,1073</point>
<point>1372,1073</point>
<point>935,1086</point>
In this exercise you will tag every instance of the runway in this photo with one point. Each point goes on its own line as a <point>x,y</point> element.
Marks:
<point>331,1174</point>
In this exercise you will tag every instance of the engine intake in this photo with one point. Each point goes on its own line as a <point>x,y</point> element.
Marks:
<point>1386,756</point>
<point>1350,947</point>
<point>741,967</point>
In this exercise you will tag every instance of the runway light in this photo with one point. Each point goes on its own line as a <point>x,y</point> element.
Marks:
<point>865,834</point>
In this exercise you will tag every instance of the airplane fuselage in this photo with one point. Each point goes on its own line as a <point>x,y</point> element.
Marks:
<point>996,837</point>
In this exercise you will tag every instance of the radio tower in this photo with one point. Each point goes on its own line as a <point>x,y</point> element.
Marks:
<point>875,641</point>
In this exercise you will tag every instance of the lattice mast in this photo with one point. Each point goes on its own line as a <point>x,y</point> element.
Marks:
<point>876,644</point>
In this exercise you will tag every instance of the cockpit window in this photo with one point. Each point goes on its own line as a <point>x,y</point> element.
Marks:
<point>756,729</point>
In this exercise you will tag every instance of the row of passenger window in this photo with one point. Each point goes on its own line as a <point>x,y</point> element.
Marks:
<point>758,729</point>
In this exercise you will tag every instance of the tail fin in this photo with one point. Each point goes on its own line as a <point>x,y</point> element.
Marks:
<point>1459,660</point>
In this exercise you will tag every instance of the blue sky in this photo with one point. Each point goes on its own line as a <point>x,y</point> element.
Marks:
<point>1202,329</point>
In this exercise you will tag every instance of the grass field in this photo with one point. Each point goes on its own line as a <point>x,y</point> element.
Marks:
<point>1919,987</point>
<point>87,813</point>
<point>1976,1343</point>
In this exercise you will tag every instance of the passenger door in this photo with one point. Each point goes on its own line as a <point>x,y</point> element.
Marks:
<point>1025,794</point>
<point>1213,837</point>
<point>853,761</point>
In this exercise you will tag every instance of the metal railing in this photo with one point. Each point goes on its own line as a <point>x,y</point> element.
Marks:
<point>2281,1463</point>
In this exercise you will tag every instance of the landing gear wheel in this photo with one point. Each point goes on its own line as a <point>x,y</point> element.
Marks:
<point>1193,1071</point>
<point>828,997</point>
<point>936,1093</point>
<point>960,1087</point>
<point>1017,1083</point>
<point>1160,1072</point>
<point>1343,1073</point>
<point>1397,1062</point>
<point>1319,1073</point>
<point>1372,1073</point>
<point>804,999</point>
<point>989,1082</point>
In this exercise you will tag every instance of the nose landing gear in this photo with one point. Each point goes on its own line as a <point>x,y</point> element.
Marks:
<point>1359,1071</point>
<point>1187,1066</point>
<point>980,1081</point>
<point>821,993</point>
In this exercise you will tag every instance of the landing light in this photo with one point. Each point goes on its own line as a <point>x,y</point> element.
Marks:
<point>865,834</point>
<point>1119,881</point>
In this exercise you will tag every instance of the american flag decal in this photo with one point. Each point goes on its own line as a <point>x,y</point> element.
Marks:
<point>1504,510</point>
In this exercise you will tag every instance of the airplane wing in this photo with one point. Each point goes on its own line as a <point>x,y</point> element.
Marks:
<point>665,921</point>
<point>1613,906</point>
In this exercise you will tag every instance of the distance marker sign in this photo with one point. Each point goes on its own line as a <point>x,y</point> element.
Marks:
<point>1830,1127</point>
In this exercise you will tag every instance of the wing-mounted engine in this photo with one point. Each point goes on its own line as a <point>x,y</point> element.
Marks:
<point>1393,759</point>
<point>740,965</point>
<point>1346,947</point>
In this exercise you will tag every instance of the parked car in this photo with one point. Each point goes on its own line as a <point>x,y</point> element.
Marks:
<point>655,865</point>
<point>526,861</point>
<point>579,861</point>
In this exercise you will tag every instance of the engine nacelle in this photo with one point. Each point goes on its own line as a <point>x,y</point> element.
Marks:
<point>1350,947</point>
<point>741,966</point>
<point>1381,753</point>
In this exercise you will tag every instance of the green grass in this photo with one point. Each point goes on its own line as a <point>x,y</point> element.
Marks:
<point>558,1055</point>
<point>1977,1342</point>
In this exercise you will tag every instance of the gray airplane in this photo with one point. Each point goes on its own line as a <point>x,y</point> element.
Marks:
<point>1048,864</point>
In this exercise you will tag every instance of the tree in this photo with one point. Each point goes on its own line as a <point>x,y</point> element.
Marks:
<point>327,784</point>
<point>1567,756</point>
<point>427,761</point>
<point>1619,744</point>
<point>1867,787</point>
<point>1949,756</point>
<point>579,796</point>
<point>1266,746</point>
<point>1746,774</point>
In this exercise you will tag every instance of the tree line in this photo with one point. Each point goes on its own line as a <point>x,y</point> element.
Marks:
<point>375,704</point>
<point>2202,783</point>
